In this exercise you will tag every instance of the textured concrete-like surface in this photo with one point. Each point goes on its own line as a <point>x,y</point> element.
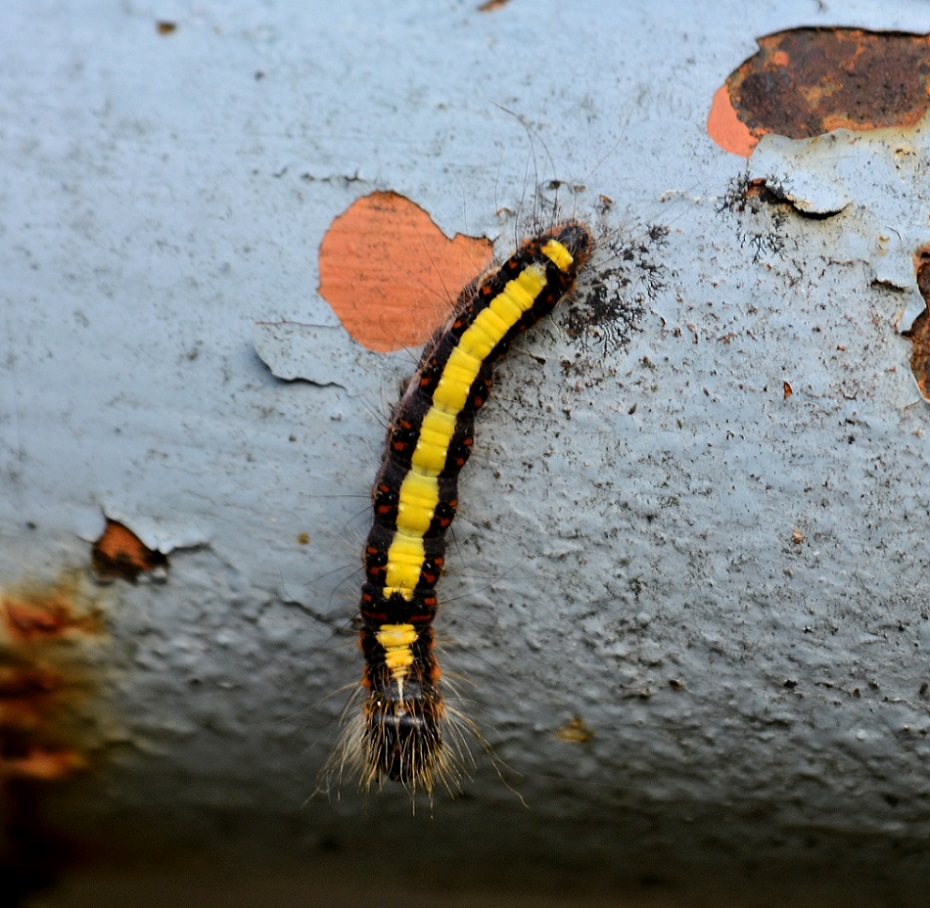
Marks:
<point>724,581</point>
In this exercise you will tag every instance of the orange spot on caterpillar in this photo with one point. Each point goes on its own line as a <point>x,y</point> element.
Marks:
<point>390,274</point>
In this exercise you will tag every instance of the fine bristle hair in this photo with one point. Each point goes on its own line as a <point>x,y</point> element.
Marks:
<point>443,761</point>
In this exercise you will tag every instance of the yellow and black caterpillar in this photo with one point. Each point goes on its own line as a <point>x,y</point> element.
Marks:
<point>402,733</point>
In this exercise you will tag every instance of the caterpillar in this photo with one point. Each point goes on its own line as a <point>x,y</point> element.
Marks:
<point>403,732</point>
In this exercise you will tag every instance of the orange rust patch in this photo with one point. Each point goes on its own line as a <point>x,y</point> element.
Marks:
<point>919,333</point>
<point>42,681</point>
<point>120,554</point>
<point>47,615</point>
<point>43,765</point>
<point>50,728</point>
<point>491,5</point>
<point>164,27</point>
<point>809,81</point>
<point>390,273</point>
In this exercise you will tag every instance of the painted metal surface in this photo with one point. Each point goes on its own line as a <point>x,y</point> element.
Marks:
<point>724,585</point>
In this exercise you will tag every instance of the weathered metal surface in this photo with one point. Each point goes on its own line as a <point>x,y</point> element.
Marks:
<point>722,584</point>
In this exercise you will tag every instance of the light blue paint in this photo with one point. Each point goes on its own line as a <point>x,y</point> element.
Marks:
<point>163,199</point>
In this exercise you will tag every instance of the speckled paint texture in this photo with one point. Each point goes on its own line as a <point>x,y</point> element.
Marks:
<point>725,586</point>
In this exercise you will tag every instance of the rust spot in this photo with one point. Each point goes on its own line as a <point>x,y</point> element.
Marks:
<point>809,81</point>
<point>919,336</point>
<point>303,538</point>
<point>164,27</point>
<point>50,634</point>
<point>43,615</point>
<point>27,693</point>
<point>391,275</point>
<point>42,765</point>
<point>786,390</point>
<point>919,332</point>
<point>574,732</point>
<point>491,5</point>
<point>797,537</point>
<point>121,555</point>
<point>26,683</point>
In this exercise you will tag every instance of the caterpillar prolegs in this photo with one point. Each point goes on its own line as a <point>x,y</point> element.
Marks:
<point>403,733</point>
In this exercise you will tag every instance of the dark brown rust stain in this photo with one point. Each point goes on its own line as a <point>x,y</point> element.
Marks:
<point>47,668</point>
<point>809,81</point>
<point>919,333</point>
<point>121,555</point>
<point>43,683</point>
<point>27,693</point>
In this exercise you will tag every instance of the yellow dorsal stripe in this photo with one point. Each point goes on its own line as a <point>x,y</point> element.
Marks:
<point>558,255</point>
<point>397,640</point>
<point>419,491</point>
<point>392,636</point>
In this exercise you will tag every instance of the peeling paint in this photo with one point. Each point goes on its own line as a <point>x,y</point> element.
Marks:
<point>390,274</point>
<point>919,332</point>
<point>119,554</point>
<point>811,175</point>
<point>316,354</point>
<point>862,189</point>
<point>806,82</point>
<point>824,175</point>
<point>295,351</point>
